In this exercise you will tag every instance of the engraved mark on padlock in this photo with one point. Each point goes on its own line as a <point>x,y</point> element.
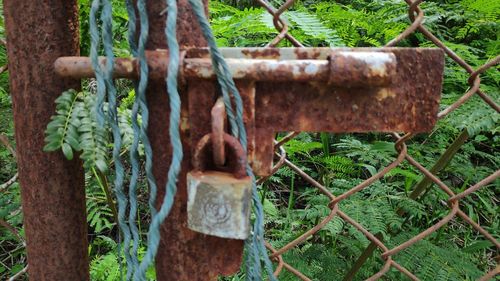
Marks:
<point>219,202</point>
<point>216,208</point>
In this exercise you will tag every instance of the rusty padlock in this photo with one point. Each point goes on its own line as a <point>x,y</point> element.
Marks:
<point>219,201</point>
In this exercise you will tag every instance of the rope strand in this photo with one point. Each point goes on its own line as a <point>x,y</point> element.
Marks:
<point>106,89</point>
<point>255,245</point>
<point>175,140</point>
<point>105,85</point>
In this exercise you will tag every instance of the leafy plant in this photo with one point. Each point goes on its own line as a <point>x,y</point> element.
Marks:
<point>340,162</point>
<point>74,129</point>
<point>110,266</point>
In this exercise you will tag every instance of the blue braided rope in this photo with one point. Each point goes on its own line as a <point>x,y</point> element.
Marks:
<point>104,78</point>
<point>143,83</point>
<point>175,139</point>
<point>95,38</point>
<point>255,245</point>
<point>139,133</point>
<point>107,36</point>
<point>139,51</point>
<point>134,162</point>
<point>134,154</point>
<point>132,26</point>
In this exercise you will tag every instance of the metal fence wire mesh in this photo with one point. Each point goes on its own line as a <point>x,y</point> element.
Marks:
<point>416,15</point>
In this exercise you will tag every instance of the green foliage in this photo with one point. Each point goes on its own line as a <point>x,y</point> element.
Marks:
<point>74,128</point>
<point>340,162</point>
<point>62,131</point>
<point>120,27</point>
<point>93,140</point>
<point>476,117</point>
<point>233,27</point>
<point>107,267</point>
<point>99,216</point>
<point>254,27</point>
<point>436,261</point>
<point>370,25</point>
<point>332,250</point>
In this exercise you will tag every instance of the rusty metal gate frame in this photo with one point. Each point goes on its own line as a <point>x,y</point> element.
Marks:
<point>55,225</point>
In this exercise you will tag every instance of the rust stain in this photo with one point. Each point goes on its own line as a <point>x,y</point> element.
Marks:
<point>313,94</point>
<point>184,255</point>
<point>265,53</point>
<point>292,106</point>
<point>52,188</point>
<point>384,93</point>
<point>128,65</point>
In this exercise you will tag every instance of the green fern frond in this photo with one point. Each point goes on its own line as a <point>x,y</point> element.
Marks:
<point>62,131</point>
<point>428,260</point>
<point>93,138</point>
<point>339,165</point>
<point>475,116</point>
<point>125,124</point>
<point>312,26</point>
<point>99,215</point>
<point>296,146</point>
<point>105,268</point>
<point>334,227</point>
<point>488,9</point>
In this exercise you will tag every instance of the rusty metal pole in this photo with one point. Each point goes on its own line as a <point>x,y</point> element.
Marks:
<point>52,188</point>
<point>183,254</point>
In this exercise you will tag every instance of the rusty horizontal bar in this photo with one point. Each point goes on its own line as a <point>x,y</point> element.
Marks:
<point>262,69</point>
<point>81,67</point>
<point>340,68</point>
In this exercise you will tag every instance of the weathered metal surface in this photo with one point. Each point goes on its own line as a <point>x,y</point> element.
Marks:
<point>183,253</point>
<point>247,93</point>
<point>52,188</point>
<point>236,162</point>
<point>410,104</point>
<point>218,123</point>
<point>219,204</point>
<point>81,67</point>
<point>203,92</point>
<point>342,68</point>
<point>362,69</point>
<point>338,90</point>
<point>219,201</point>
<point>227,253</point>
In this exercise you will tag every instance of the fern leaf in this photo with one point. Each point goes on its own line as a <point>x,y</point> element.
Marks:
<point>312,26</point>
<point>93,138</point>
<point>61,132</point>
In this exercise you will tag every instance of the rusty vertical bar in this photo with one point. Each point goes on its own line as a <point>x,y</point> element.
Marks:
<point>52,188</point>
<point>183,254</point>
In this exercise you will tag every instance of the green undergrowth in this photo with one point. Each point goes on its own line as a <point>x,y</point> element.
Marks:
<point>292,206</point>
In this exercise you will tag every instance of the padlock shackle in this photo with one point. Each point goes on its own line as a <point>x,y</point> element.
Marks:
<point>240,162</point>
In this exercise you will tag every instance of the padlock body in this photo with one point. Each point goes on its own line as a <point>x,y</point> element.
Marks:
<point>219,204</point>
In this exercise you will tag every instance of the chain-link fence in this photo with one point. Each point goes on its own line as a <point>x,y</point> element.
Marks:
<point>416,15</point>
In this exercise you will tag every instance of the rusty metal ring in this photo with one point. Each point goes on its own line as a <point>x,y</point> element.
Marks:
<point>218,121</point>
<point>237,166</point>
